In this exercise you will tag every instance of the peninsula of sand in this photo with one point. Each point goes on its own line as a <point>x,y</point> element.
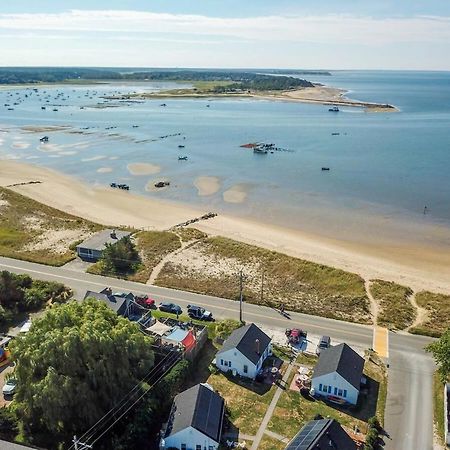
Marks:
<point>320,94</point>
<point>416,267</point>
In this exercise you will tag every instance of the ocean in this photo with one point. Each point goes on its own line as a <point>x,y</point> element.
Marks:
<point>385,168</point>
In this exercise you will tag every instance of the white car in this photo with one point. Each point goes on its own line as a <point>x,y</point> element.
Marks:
<point>10,387</point>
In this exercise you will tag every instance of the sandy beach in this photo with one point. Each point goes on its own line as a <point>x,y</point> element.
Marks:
<point>414,266</point>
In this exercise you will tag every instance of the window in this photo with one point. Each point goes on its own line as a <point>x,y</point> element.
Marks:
<point>329,389</point>
<point>345,392</point>
<point>325,388</point>
<point>183,446</point>
<point>198,447</point>
<point>320,386</point>
<point>336,391</point>
<point>229,363</point>
<point>245,369</point>
<point>221,362</point>
<point>340,392</point>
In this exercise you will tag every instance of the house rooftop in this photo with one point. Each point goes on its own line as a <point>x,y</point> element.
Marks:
<point>323,434</point>
<point>99,240</point>
<point>6,445</point>
<point>198,407</point>
<point>343,360</point>
<point>245,340</point>
<point>117,304</point>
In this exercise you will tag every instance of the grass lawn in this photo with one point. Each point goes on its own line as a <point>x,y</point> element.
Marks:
<point>396,311</point>
<point>297,284</point>
<point>246,402</point>
<point>438,403</point>
<point>268,443</point>
<point>293,410</point>
<point>438,306</point>
<point>35,232</point>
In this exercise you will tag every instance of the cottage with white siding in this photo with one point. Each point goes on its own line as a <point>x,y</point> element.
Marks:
<point>337,375</point>
<point>195,421</point>
<point>244,352</point>
<point>92,248</point>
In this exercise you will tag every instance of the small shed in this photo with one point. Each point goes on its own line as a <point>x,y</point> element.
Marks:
<point>92,248</point>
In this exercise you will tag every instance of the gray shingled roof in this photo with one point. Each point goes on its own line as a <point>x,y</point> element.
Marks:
<point>244,339</point>
<point>343,360</point>
<point>324,434</point>
<point>117,304</point>
<point>99,240</point>
<point>198,407</point>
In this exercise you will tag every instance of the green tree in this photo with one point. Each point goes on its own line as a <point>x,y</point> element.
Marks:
<point>120,257</point>
<point>11,293</point>
<point>74,365</point>
<point>441,352</point>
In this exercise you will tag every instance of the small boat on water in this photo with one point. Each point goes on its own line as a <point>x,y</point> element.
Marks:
<point>161,184</point>
<point>182,158</point>
<point>335,134</point>
<point>44,139</point>
<point>181,146</point>
<point>261,151</point>
<point>55,109</point>
<point>42,107</point>
<point>325,168</point>
<point>334,109</point>
<point>162,104</point>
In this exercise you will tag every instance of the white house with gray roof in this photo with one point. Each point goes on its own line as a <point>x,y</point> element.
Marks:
<point>92,248</point>
<point>195,421</point>
<point>244,351</point>
<point>337,374</point>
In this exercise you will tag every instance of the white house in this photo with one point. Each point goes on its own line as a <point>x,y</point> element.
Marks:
<point>195,421</point>
<point>337,375</point>
<point>244,351</point>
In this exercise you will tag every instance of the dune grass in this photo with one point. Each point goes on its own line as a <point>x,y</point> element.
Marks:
<point>396,310</point>
<point>438,405</point>
<point>187,234</point>
<point>438,307</point>
<point>297,284</point>
<point>24,222</point>
<point>153,246</point>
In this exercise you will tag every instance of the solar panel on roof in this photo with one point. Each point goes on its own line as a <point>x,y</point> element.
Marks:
<point>307,435</point>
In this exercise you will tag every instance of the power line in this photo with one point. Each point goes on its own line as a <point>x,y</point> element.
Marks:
<point>88,435</point>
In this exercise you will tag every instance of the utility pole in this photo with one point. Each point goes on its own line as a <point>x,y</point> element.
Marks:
<point>241,294</point>
<point>262,287</point>
<point>80,445</point>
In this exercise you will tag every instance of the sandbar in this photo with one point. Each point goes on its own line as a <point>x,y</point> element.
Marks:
<point>207,185</point>
<point>139,169</point>
<point>236,194</point>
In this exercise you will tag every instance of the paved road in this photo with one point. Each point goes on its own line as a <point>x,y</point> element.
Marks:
<point>409,411</point>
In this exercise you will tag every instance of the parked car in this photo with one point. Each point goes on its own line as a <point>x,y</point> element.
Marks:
<point>9,387</point>
<point>145,300</point>
<point>170,308</point>
<point>324,342</point>
<point>199,313</point>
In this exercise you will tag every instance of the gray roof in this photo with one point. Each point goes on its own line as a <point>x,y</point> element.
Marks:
<point>99,240</point>
<point>244,339</point>
<point>198,407</point>
<point>5,445</point>
<point>117,304</point>
<point>343,360</point>
<point>323,434</point>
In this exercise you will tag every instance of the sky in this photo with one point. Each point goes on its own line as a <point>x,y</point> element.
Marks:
<point>297,34</point>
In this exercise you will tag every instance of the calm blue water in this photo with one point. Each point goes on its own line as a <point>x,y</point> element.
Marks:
<point>382,164</point>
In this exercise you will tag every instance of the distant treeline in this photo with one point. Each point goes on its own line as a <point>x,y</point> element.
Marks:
<point>239,80</point>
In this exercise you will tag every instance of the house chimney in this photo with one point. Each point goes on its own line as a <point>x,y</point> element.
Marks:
<point>113,234</point>
<point>257,346</point>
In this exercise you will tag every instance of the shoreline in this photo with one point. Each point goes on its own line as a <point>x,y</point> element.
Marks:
<point>416,266</point>
<point>319,94</point>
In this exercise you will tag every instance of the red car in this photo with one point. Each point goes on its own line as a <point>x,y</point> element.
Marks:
<point>146,301</point>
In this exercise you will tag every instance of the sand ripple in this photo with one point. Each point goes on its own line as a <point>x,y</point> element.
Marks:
<point>143,168</point>
<point>207,185</point>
